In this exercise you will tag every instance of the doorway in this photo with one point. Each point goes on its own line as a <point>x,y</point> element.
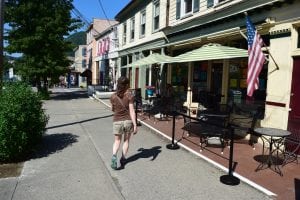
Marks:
<point>136,83</point>
<point>216,84</point>
<point>294,114</point>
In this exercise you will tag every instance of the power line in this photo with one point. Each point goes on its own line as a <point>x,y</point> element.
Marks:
<point>87,23</point>
<point>82,18</point>
<point>102,8</point>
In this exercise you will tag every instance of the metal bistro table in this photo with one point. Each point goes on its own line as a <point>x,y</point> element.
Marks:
<point>275,137</point>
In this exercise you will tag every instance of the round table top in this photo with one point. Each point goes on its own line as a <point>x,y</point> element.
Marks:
<point>272,132</point>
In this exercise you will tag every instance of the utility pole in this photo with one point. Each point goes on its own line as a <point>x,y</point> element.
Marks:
<point>1,43</point>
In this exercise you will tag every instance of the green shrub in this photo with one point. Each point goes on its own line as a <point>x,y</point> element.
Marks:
<point>22,121</point>
<point>44,94</point>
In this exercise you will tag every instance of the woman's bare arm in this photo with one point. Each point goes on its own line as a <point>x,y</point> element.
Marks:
<point>133,117</point>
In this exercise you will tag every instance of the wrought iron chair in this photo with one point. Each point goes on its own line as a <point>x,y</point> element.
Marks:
<point>291,149</point>
<point>247,120</point>
<point>207,129</point>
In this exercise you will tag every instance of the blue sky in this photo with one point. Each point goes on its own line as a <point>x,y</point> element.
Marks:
<point>91,8</point>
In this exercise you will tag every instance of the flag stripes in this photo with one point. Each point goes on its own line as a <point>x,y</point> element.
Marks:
<point>256,57</point>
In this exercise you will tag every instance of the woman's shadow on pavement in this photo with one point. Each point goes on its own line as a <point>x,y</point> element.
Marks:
<point>143,153</point>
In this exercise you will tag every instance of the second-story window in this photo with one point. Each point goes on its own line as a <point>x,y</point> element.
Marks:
<point>83,51</point>
<point>155,15</point>
<point>186,7</point>
<point>84,63</point>
<point>211,3</point>
<point>124,33</point>
<point>132,24</point>
<point>143,23</point>
<point>115,37</point>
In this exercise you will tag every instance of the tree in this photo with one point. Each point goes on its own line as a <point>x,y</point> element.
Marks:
<point>37,31</point>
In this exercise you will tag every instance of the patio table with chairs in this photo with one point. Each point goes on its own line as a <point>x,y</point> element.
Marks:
<point>275,138</point>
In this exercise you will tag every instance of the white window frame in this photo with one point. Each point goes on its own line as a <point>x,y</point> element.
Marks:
<point>124,33</point>
<point>132,28</point>
<point>156,7</point>
<point>218,2</point>
<point>143,23</point>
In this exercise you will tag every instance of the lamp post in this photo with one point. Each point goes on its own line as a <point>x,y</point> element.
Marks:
<point>1,43</point>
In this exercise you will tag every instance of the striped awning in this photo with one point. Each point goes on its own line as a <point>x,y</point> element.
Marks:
<point>210,52</point>
<point>151,59</point>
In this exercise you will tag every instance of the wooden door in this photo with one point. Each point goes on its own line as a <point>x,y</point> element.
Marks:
<point>294,114</point>
<point>216,78</point>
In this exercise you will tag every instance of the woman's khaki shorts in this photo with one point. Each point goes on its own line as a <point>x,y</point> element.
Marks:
<point>122,127</point>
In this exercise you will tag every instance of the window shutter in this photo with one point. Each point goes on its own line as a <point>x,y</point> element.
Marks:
<point>178,9</point>
<point>196,6</point>
<point>210,3</point>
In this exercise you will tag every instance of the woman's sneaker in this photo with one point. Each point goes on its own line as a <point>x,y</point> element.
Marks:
<point>114,162</point>
<point>123,162</point>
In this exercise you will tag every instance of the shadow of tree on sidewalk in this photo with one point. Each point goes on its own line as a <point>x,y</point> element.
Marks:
<point>79,122</point>
<point>69,95</point>
<point>53,143</point>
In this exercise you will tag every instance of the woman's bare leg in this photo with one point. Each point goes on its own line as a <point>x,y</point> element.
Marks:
<point>126,144</point>
<point>116,144</point>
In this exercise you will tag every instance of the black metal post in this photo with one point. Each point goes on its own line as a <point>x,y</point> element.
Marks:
<point>173,145</point>
<point>229,179</point>
<point>136,108</point>
<point>1,43</point>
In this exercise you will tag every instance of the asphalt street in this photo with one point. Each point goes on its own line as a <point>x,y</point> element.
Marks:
<point>73,162</point>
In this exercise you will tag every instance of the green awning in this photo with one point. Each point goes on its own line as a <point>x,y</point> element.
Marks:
<point>211,52</point>
<point>151,59</point>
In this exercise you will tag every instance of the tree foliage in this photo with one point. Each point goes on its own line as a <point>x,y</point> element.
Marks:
<point>78,38</point>
<point>37,30</point>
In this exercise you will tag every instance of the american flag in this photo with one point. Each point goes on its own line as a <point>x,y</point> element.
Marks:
<point>256,57</point>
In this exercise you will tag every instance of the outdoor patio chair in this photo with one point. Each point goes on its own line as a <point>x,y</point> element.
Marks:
<point>245,121</point>
<point>158,109</point>
<point>291,149</point>
<point>188,123</point>
<point>212,131</point>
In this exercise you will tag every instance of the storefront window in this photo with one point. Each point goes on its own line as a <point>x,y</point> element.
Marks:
<point>238,83</point>
<point>199,79</point>
<point>180,80</point>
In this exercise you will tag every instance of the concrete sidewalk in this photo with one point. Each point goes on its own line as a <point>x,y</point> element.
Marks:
<point>74,162</point>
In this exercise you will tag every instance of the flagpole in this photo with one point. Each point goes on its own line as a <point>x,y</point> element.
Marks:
<point>277,67</point>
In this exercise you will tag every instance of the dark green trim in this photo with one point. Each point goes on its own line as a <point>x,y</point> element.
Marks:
<point>280,35</point>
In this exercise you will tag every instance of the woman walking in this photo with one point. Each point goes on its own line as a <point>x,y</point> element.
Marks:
<point>124,120</point>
